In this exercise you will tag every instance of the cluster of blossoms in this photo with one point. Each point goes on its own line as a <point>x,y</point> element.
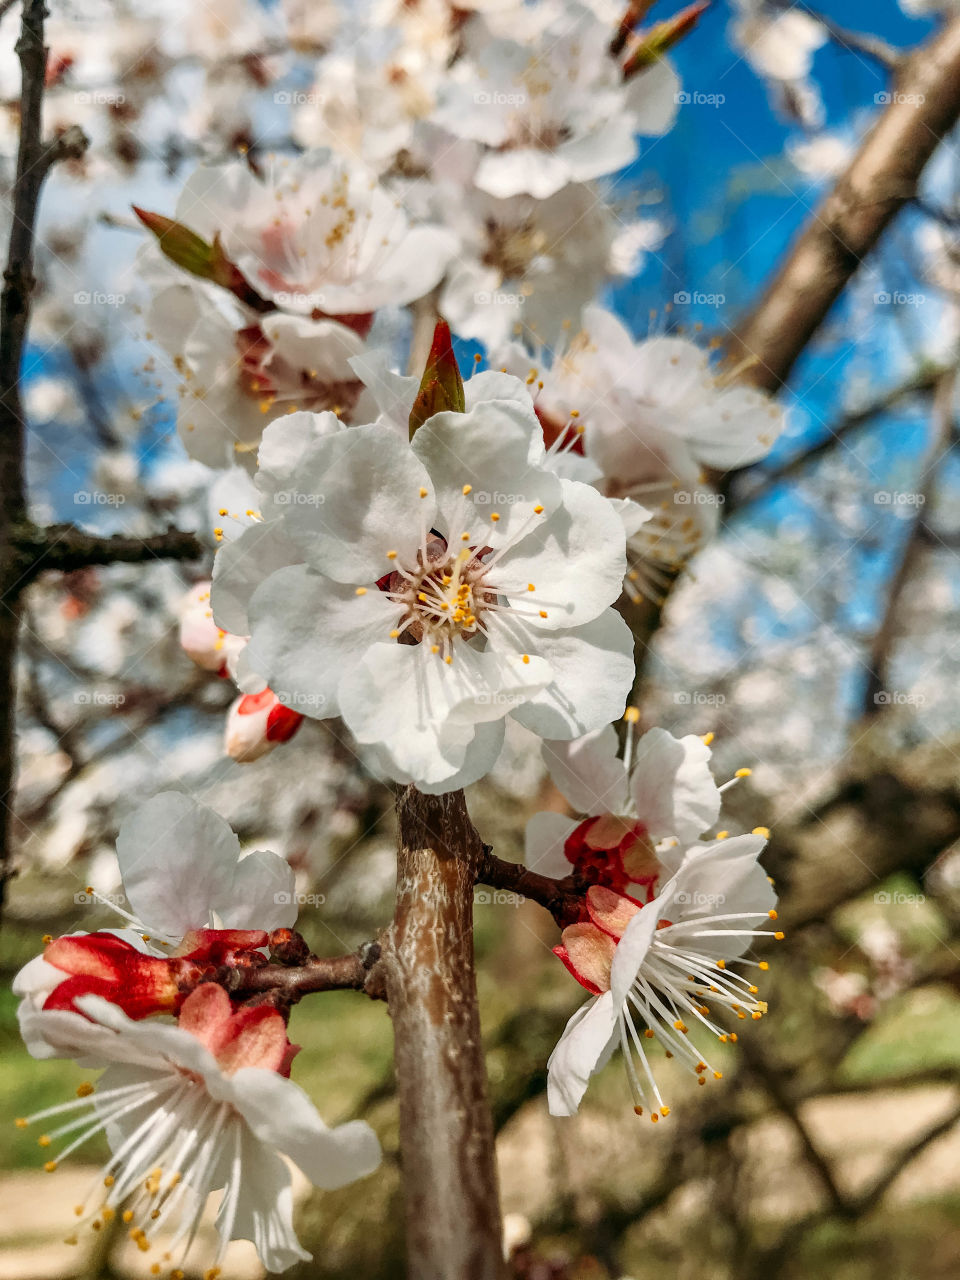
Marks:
<point>667,917</point>
<point>423,560</point>
<point>195,1094</point>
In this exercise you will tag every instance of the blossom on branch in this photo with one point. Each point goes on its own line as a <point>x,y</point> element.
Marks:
<point>425,591</point>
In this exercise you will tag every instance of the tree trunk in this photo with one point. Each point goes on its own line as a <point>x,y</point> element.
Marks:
<point>446,1132</point>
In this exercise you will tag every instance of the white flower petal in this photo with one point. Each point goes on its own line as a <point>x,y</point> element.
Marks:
<point>366,482</point>
<point>544,839</point>
<point>592,668</point>
<point>576,560</point>
<point>177,859</point>
<point>306,631</point>
<point>262,895</point>
<point>588,1040</point>
<point>280,1114</point>
<point>672,786</point>
<point>589,772</point>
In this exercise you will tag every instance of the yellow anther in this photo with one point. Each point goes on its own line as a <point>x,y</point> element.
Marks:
<point>679,1026</point>
<point>108,1213</point>
<point>448,659</point>
<point>761,831</point>
<point>721,964</point>
<point>44,1140</point>
<point>109,1180</point>
<point>753,990</point>
<point>779,935</point>
<point>70,1240</point>
<point>394,634</point>
<point>708,738</point>
<point>434,648</point>
<point>538,509</point>
<point>638,1111</point>
<point>772,913</point>
<point>733,1036</point>
<point>701,1080</point>
<point>743,773</point>
<point>526,657</point>
<point>764,965</point>
<point>632,715</point>
<point>78,1210</point>
<point>648,1032</point>
<point>654,1116</point>
<point>722,835</point>
<point>723,1038</point>
<point>718,1075</point>
<point>47,939</point>
<point>543,613</point>
<point>50,1166</point>
<point>127,1215</point>
<point>21,1122</point>
<point>467,488</point>
<point>464,537</point>
<point>574,413</point>
<point>361,591</point>
<point>664,1111</point>
<point>756,1015</point>
<point>391,555</point>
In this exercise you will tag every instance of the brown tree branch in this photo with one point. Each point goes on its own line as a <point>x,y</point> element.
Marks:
<point>562,898</point>
<point>64,547</point>
<point>34,159</point>
<point>876,695</point>
<point>446,1131</point>
<point>882,177</point>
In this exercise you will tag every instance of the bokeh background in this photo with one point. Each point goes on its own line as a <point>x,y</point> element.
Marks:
<point>816,637</point>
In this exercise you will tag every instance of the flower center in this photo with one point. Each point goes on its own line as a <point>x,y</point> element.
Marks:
<point>443,595</point>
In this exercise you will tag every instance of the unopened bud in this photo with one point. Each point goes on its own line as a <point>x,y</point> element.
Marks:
<point>256,723</point>
<point>653,44</point>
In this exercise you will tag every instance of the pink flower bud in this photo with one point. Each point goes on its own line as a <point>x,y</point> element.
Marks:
<point>256,723</point>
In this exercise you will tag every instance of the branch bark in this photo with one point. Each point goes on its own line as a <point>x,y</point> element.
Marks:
<point>882,177</point>
<point>64,547</point>
<point>446,1131</point>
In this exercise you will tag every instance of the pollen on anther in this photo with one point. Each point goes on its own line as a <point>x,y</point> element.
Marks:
<point>423,493</point>
<point>632,715</point>
<point>707,738</point>
<point>648,1033</point>
<point>761,831</point>
<point>538,510</point>
<point>638,1110</point>
<point>543,613</point>
<point>467,488</point>
<point>391,555</point>
<point>764,964</point>
<point>50,1166</point>
<point>361,591</point>
<point>654,1116</point>
<point>722,835</point>
<point>464,537</point>
<point>394,633</point>
<point>526,657</point>
<point>779,935</point>
<point>743,773</point>
<point>664,1111</point>
<point>531,587</point>
<point>494,516</point>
